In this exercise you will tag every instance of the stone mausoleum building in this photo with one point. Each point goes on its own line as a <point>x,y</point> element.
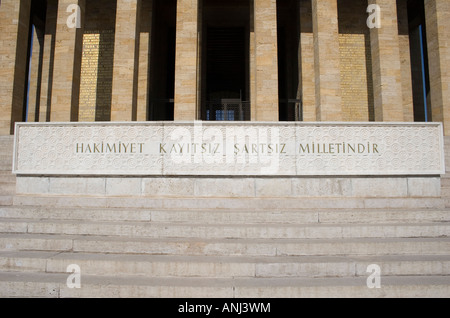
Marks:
<point>224,148</point>
<point>239,60</point>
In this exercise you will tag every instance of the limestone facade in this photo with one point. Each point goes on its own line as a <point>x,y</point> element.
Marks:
<point>326,60</point>
<point>437,17</point>
<point>14,23</point>
<point>151,60</point>
<point>186,62</point>
<point>386,64</point>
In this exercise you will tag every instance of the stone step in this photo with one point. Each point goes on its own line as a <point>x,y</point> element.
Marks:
<point>228,203</point>
<point>218,231</point>
<point>76,214</point>
<point>222,267</point>
<point>445,194</point>
<point>7,187</point>
<point>55,285</point>
<point>6,200</point>
<point>9,242</point>
<point>6,158</point>
<point>7,148</point>
<point>445,181</point>
<point>6,172</point>
<point>8,178</point>
<point>226,216</point>
<point>6,166</point>
<point>225,247</point>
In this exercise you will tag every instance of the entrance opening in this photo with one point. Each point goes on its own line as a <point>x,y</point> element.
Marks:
<point>289,65</point>
<point>419,61</point>
<point>225,92</point>
<point>162,61</point>
<point>226,74</point>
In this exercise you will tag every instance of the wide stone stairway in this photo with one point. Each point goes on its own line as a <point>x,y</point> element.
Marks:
<point>225,248</point>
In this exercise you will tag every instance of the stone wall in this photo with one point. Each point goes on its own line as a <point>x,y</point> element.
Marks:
<point>97,62</point>
<point>355,62</point>
<point>14,24</point>
<point>327,60</point>
<point>197,187</point>
<point>438,32</point>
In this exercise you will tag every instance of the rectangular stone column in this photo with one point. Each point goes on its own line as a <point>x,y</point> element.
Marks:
<point>126,61</point>
<point>437,14</point>
<point>327,60</point>
<point>266,61</point>
<point>405,58</point>
<point>145,40</point>
<point>186,61</point>
<point>67,64</point>
<point>252,63</point>
<point>386,64</point>
<point>306,52</point>
<point>47,64</point>
<point>14,26</point>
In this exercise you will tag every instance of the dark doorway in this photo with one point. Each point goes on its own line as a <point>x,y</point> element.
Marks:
<point>225,73</point>
<point>162,62</point>
<point>225,60</point>
<point>289,90</point>
<point>419,61</point>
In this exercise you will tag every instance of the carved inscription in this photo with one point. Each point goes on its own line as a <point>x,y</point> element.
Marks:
<point>229,149</point>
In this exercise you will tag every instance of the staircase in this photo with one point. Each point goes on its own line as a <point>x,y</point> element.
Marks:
<point>189,248</point>
<point>7,179</point>
<point>445,181</point>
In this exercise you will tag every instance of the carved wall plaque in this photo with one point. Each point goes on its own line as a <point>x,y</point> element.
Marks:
<point>229,149</point>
